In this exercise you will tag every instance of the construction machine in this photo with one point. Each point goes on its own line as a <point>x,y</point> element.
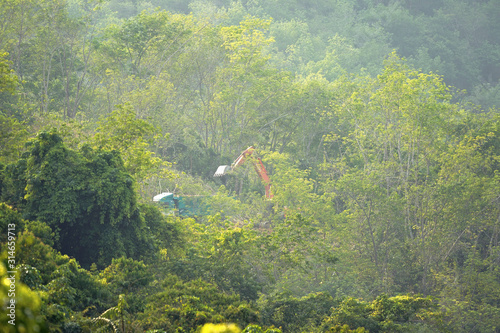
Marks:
<point>258,166</point>
<point>185,206</point>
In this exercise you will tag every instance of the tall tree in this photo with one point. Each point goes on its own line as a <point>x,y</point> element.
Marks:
<point>385,171</point>
<point>87,197</point>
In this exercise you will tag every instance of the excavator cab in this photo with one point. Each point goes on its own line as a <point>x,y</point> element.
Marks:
<point>222,170</point>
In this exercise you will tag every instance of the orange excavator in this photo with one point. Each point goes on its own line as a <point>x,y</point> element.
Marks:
<point>258,165</point>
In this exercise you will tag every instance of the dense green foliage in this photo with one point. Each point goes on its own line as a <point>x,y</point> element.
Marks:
<point>385,178</point>
<point>86,197</point>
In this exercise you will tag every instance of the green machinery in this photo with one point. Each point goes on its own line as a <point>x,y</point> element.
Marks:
<point>185,206</point>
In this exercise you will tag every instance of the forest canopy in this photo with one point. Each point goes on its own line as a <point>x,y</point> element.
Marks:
<point>368,200</point>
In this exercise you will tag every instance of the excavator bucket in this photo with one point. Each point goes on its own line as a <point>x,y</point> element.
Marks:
<point>222,170</point>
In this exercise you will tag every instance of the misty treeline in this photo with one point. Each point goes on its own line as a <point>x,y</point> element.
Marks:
<point>377,122</point>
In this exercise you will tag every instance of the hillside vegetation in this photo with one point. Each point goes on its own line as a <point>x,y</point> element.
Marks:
<point>378,124</point>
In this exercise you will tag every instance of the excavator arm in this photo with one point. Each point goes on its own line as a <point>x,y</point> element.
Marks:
<point>261,170</point>
<point>258,165</point>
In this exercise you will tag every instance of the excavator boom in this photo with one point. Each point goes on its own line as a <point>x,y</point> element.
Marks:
<point>258,165</point>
